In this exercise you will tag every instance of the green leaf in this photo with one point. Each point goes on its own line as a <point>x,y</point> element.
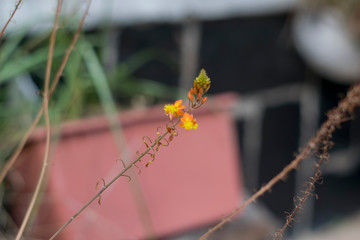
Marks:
<point>26,63</point>
<point>98,76</point>
<point>10,45</point>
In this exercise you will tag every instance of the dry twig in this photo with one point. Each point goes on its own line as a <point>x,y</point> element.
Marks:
<point>309,188</point>
<point>47,122</point>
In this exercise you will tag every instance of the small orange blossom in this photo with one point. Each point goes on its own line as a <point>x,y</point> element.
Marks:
<point>174,110</point>
<point>188,122</point>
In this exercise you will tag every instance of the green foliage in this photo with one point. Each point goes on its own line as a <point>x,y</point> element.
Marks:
<point>85,87</point>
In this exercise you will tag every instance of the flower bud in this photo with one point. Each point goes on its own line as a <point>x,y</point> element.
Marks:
<point>202,81</point>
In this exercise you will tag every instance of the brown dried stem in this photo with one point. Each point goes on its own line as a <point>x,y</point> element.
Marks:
<point>309,189</point>
<point>10,18</point>
<point>47,123</point>
<point>338,115</point>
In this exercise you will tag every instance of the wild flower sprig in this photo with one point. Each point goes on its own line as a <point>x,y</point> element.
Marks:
<point>181,114</point>
<point>196,98</point>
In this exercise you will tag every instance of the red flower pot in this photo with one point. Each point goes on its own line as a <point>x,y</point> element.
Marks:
<point>193,182</point>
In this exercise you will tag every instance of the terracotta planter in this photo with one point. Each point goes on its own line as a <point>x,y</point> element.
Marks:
<point>192,183</point>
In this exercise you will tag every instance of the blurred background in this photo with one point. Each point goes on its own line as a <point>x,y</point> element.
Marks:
<point>288,62</point>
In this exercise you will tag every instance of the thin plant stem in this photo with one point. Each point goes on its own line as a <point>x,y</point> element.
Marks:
<point>114,179</point>
<point>50,55</point>
<point>10,18</point>
<point>69,50</point>
<point>23,141</point>
<point>47,123</point>
<point>336,116</point>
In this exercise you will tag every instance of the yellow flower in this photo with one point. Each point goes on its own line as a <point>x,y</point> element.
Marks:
<point>188,122</point>
<point>174,110</point>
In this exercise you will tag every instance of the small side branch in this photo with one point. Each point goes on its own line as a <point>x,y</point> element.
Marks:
<point>10,18</point>
<point>309,189</point>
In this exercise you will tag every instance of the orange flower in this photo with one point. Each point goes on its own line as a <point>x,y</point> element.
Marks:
<point>188,122</point>
<point>174,110</point>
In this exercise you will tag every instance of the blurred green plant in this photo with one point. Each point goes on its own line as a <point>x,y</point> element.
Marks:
<point>85,87</point>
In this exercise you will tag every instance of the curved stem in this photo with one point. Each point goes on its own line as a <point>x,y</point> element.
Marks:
<point>47,122</point>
